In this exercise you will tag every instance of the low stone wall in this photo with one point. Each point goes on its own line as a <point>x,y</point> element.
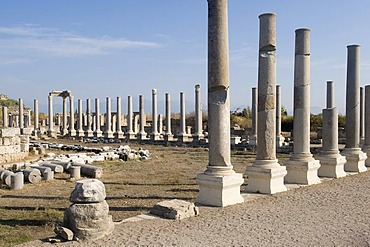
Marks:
<point>14,146</point>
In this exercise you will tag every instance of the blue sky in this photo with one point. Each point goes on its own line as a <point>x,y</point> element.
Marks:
<point>127,47</point>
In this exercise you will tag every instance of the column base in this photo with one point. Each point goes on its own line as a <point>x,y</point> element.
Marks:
<point>130,135</point>
<point>119,135</point>
<point>266,180</point>
<point>142,136</point>
<point>183,138</point>
<point>198,137</point>
<point>253,140</point>
<point>52,133</point>
<point>72,133</point>
<point>98,133</point>
<point>302,171</point>
<point>89,133</point>
<point>280,141</point>
<point>64,132</point>
<point>218,190</point>
<point>80,133</point>
<point>355,160</point>
<point>332,165</point>
<point>155,137</point>
<point>366,149</point>
<point>168,137</point>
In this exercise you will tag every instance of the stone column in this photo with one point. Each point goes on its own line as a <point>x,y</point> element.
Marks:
<point>362,115</point>
<point>80,131</point>
<point>88,132</point>
<point>119,134</point>
<point>279,138</point>
<point>302,167</point>
<point>51,132</point>
<point>160,124</point>
<point>97,131</point>
<point>168,135</point>
<point>130,133</point>
<point>11,120</point>
<point>5,117</point>
<point>198,134</point>
<point>266,175</point>
<point>142,134</point>
<point>72,131</point>
<point>154,135</point>
<point>253,136</point>
<point>182,136</point>
<point>36,127</point>
<point>108,120</point>
<point>64,126</point>
<point>219,185</point>
<point>366,147</point>
<point>332,163</point>
<point>21,115</point>
<point>355,157</point>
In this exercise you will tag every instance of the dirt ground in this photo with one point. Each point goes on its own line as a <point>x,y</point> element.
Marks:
<point>133,187</point>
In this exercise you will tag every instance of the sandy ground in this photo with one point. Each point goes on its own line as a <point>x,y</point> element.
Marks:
<point>333,213</point>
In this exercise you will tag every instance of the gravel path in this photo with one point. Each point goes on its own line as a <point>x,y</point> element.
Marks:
<point>333,213</point>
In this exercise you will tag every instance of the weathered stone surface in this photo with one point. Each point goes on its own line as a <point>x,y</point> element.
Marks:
<point>32,175</point>
<point>88,190</point>
<point>175,209</point>
<point>16,181</point>
<point>10,132</point>
<point>64,233</point>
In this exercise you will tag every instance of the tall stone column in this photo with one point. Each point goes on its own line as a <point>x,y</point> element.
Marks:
<point>51,132</point>
<point>119,133</point>
<point>366,146</point>
<point>302,167</point>
<point>332,163</point>
<point>88,131</point>
<point>219,185</point>
<point>355,157</point>
<point>108,120</point>
<point>198,134</point>
<point>72,131</point>
<point>97,131</point>
<point>36,127</point>
<point>142,134</point>
<point>253,136</point>
<point>21,115</point>
<point>130,133</point>
<point>168,134</point>
<point>160,124</point>
<point>154,135</point>
<point>182,136</point>
<point>266,175</point>
<point>5,117</point>
<point>279,138</point>
<point>80,131</point>
<point>64,124</point>
<point>362,115</point>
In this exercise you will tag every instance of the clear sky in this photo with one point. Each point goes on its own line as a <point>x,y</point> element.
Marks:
<point>115,48</point>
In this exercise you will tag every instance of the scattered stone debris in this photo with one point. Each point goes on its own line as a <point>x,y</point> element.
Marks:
<point>175,209</point>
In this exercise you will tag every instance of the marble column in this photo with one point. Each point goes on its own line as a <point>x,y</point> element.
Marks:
<point>72,131</point>
<point>332,162</point>
<point>253,136</point>
<point>160,124</point>
<point>362,116</point>
<point>198,134</point>
<point>97,131</point>
<point>108,120</point>
<point>219,185</point>
<point>80,131</point>
<point>266,176</point>
<point>11,120</point>
<point>36,127</point>
<point>64,124</point>
<point>130,133</point>
<point>279,137</point>
<point>154,135</point>
<point>119,133</point>
<point>355,157</point>
<point>302,168</point>
<point>5,117</point>
<point>51,132</point>
<point>182,136</point>
<point>21,115</point>
<point>366,146</point>
<point>88,131</point>
<point>168,136</point>
<point>142,134</point>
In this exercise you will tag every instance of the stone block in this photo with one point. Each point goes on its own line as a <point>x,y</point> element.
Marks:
<point>175,209</point>
<point>10,132</point>
<point>88,190</point>
<point>302,171</point>
<point>25,147</point>
<point>64,233</point>
<point>24,139</point>
<point>27,131</point>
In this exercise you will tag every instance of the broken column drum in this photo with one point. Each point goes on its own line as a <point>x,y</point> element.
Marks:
<point>366,147</point>
<point>219,185</point>
<point>302,167</point>
<point>266,175</point>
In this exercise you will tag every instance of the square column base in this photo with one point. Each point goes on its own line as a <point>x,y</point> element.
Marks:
<point>142,136</point>
<point>219,191</point>
<point>366,149</point>
<point>183,138</point>
<point>266,180</point>
<point>80,133</point>
<point>168,137</point>
<point>302,171</point>
<point>155,137</point>
<point>198,137</point>
<point>98,134</point>
<point>130,135</point>
<point>89,133</point>
<point>108,134</point>
<point>72,133</point>
<point>119,135</point>
<point>52,133</point>
<point>332,166</point>
<point>355,160</point>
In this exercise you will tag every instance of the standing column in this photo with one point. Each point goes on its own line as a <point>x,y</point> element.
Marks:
<point>362,115</point>
<point>198,134</point>
<point>279,138</point>
<point>219,185</point>
<point>21,116</point>
<point>80,131</point>
<point>302,167</point>
<point>160,124</point>
<point>36,127</point>
<point>182,136</point>
<point>72,131</point>
<point>108,120</point>
<point>266,175</point>
<point>366,147</point>
<point>332,163</point>
<point>168,135</point>
<point>130,133</point>
<point>119,134</point>
<point>97,131</point>
<point>154,135</point>
<point>88,132</point>
<point>64,126</point>
<point>355,157</point>
<point>5,117</point>
<point>253,137</point>
<point>142,134</point>
<point>50,121</point>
